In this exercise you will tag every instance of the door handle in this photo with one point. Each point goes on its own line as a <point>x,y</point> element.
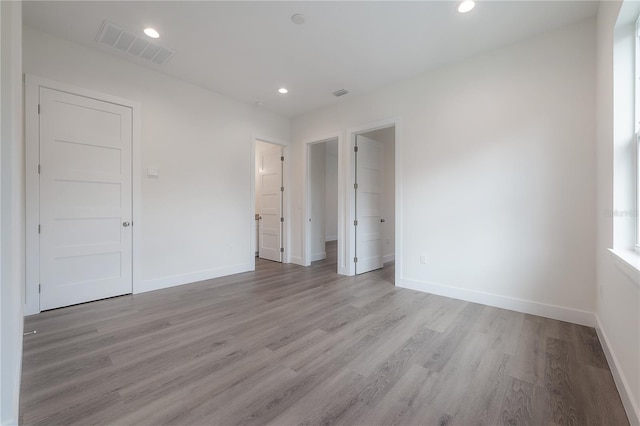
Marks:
<point>382,221</point>
<point>125,224</point>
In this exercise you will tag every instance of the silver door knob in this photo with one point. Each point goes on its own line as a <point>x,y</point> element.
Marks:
<point>125,224</point>
<point>382,220</point>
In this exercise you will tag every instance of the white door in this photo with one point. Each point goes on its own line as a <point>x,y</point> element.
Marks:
<point>85,199</point>
<point>271,216</point>
<point>368,174</point>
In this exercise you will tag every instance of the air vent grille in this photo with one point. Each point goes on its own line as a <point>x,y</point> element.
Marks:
<point>125,41</point>
<point>340,92</point>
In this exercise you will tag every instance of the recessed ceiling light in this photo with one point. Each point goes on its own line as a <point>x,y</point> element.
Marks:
<point>151,33</point>
<point>466,6</point>
<point>283,91</point>
<point>297,18</point>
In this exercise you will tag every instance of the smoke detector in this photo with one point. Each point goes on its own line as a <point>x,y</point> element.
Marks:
<point>113,36</point>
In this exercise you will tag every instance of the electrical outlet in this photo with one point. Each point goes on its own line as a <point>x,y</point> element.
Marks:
<point>423,259</point>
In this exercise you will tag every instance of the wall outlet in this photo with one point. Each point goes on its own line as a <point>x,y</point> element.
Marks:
<point>423,259</point>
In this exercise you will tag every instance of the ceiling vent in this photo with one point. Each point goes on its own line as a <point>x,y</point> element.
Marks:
<point>340,92</point>
<point>114,36</point>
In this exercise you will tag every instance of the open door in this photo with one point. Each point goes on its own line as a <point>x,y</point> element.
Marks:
<point>271,218</point>
<point>368,198</point>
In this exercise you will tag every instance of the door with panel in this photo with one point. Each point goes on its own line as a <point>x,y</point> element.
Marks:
<point>271,204</point>
<point>85,199</point>
<point>368,199</point>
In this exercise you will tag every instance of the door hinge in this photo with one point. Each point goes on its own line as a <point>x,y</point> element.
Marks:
<point>282,189</point>
<point>39,288</point>
<point>355,186</point>
<point>355,260</point>
<point>39,168</point>
<point>282,219</point>
<point>281,158</point>
<point>355,222</point>
<point>39,228</point>
<point>355,149</point>
<point>38,108</point>
<point>281,249</point>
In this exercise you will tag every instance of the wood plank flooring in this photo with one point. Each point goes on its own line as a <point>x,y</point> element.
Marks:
<point>290,345</point>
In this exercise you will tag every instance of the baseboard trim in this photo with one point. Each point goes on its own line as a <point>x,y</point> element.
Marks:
<point>192,277</point>
<point>297,260</point>
<point>331,238</point>
<point>505,302</point>
<point>388,258</point>
<point>318,256</point>
<point>632,410</point>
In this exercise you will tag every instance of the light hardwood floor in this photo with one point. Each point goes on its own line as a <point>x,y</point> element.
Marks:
<point>291,345</point>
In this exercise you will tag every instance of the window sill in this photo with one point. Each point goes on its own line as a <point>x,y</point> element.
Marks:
<point>628,261</point>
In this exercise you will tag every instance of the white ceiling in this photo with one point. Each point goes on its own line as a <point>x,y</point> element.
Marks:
<point>247,50</point>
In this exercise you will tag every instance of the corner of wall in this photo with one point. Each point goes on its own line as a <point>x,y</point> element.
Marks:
<point>632,410</point>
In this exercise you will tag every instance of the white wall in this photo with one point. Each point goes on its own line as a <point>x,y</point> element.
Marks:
<point>331,191</point>
<point>498,173</point>
<point>196,220</point>
<point>618,296</point>
<point>11,210</point>
<point>317,187</point>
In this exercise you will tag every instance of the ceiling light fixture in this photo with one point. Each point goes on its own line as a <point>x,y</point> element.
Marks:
<point>466,6</point>
<point>151,33</point>
<point>283,91</point>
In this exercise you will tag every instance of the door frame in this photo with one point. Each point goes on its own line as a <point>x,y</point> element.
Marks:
<point>32,181</point>
<point>286,197</point>
<point>350,196</point>
<point>306,201</point>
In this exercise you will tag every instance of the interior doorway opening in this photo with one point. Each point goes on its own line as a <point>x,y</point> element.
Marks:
<point>322,220</point>
<point>269,201</point>
<point>374,199</point>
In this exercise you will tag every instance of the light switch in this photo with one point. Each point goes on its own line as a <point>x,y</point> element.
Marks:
<point>153,172</point>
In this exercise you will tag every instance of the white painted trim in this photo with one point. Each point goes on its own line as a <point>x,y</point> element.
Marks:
<point>561,313</point>
<point>32,198</point>
<point>349,231</point>
<point>297,260</point>
<point>632,410</point>
<point>318,256</point>
<point>628,261</point>
<point>32,142</point>
<point>286,229</point>
<point>191,277</point>
<point>136,202</point>
<point>388,258</point>
<point>307,257</point>
<point>331,238</point>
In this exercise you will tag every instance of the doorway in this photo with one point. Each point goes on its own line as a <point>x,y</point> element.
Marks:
<point>373,195</point>
<point>322,203</point>
<point>82,149</point>
<point>269,201</point>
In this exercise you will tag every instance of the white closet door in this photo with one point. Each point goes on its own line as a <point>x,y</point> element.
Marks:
<point>271,183</point>
<point>85,199</point>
